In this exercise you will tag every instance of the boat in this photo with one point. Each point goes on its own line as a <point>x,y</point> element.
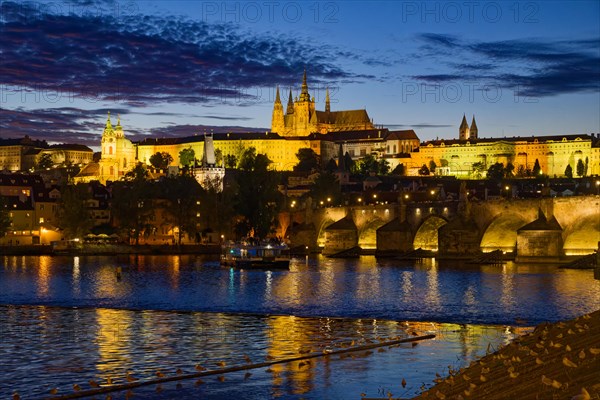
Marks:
<point>251,254</point>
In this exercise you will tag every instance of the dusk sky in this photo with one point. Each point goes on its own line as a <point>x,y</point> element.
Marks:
<point>173,68</point>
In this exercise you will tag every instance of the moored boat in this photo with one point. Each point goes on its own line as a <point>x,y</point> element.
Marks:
<point>255,254</point>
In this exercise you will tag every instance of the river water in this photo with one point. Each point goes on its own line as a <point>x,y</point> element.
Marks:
<point>68,320</point>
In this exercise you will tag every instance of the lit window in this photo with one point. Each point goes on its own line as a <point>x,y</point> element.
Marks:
<point>41,220</point>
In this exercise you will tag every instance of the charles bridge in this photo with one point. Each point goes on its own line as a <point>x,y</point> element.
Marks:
<point>537,228</point>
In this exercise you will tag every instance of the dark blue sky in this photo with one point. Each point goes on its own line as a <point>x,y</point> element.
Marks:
<point>170,68</point>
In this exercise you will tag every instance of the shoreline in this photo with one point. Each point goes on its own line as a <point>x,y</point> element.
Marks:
<point>556,360</point>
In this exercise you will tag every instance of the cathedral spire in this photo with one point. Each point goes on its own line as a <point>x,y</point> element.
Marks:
<point>290,104</point>
<point>463,130</point>
<point>473,131</point>
<point>327,101</point>
<point>304,96</point>
<point>277,98</point>
<point>108,124</point>
<point>118,120</point>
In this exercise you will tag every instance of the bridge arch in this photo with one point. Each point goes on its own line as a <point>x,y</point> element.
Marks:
<point>583,236</point>
<point>367,233</point>
<point>426,237</point>
<point>501,233</point>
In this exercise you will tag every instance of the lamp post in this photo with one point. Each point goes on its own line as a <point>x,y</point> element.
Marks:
<point>598,187</point>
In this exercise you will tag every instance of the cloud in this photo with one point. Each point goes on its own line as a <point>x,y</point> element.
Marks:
<point>92,53</point>
<point>530,67</point>
<point>73,125</point>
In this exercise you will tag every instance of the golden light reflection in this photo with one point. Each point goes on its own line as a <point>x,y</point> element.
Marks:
<point>508,275</point>
<point>174,269</point>
<point>76,277</point>
<point>43,280</point>
<point>368,278</point>
<point>288,335</point>
<point>433,293</point>
<point>113,338</point>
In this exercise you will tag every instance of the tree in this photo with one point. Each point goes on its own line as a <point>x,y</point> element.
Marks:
<point>496,172</point>
<point>73,214</point>
<point>569,171</point>
<point>349,162</point>
<point>258,200</point>
<point>131,205</point>
<point>307,160</point>
<point>331,166</point>
<point>218,156</point>
<point>45,161</point>
<point>537,169</point>
<point>509,170</point>
<point>399,170</point>
<point>478,169</point>
<point>5,220</point>
<point>369,164</point>
<point>161,160</point>
<point>585,169</point>
<point>230,161</point>
<point>326,186</point>
<point>580,168</point>
<point>183,193</point>
<point>424,170</point>
<point>187,157</point>
<point>432,166</point>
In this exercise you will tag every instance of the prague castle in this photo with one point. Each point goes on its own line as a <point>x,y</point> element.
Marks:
<point>302,126</point>
<point>301,118</point>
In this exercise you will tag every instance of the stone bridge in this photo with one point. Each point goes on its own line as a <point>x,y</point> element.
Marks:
<point>486,225</point>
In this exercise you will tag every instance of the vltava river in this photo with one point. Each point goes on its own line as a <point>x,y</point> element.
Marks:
<point>68,320</point>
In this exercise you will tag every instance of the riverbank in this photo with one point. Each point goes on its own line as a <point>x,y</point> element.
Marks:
<point>111,249</point>
<point>559,360</point>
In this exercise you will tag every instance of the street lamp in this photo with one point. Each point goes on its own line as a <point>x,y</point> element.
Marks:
<point>598,186</point>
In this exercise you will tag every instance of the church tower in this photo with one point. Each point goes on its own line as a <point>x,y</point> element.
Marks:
<point>277,122</point>
<point>108,140</point>
<point>463,130</point>
<point>303,110</point>
<point>327,101</point>
<point>473,131</point>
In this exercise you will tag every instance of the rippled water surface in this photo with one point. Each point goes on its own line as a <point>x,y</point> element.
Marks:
<point>67,320</point>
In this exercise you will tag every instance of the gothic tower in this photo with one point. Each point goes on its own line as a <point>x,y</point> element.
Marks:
<point>473,131</point>
<point>277,122</point>
<point>327,101</point>
<point>463,130</point>
<point>304,109</point>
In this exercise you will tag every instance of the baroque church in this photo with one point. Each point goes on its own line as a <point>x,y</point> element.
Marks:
<point>301,117</point>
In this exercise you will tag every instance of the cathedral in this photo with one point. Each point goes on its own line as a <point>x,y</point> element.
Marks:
<point>465,132</point>
<point>302,119</point>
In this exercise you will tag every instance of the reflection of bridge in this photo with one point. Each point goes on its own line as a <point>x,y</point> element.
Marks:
<point>496,222</point>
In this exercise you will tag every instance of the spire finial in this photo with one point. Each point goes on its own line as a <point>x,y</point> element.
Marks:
<point>327,101</point>
<point>118,119</point>
<point>108,124</point>
<point>290,104</point>
<point>277,98</point>
<point>304,96</point>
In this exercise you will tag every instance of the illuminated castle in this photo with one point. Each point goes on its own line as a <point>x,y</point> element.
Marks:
<point>301,118</point>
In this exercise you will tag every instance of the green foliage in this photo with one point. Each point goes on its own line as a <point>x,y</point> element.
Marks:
<point>432,166</point>
<point>187,157</point>
<point>537,169</point>
<point>230,161</point>
<point>496,172</point>
<point>183,194</point>
<point>258,200</point>
<point>509,170</point>
<point>523,172</point>
<point>478,169</point>
<point>131,206</point>
<point>369,164</point>
<point>73,214</point>
<point>5,219</point>
<point>424,170</point>
<point>161,160</point>
<point>307,160</point>
<point>326,186</point>
<point>569,171</point>
<point>580,168</point>
<point>349,162</point>
<point>399,170</point>
<point>45,161</point>
<point>587,163</point>
<point>218,157</point>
